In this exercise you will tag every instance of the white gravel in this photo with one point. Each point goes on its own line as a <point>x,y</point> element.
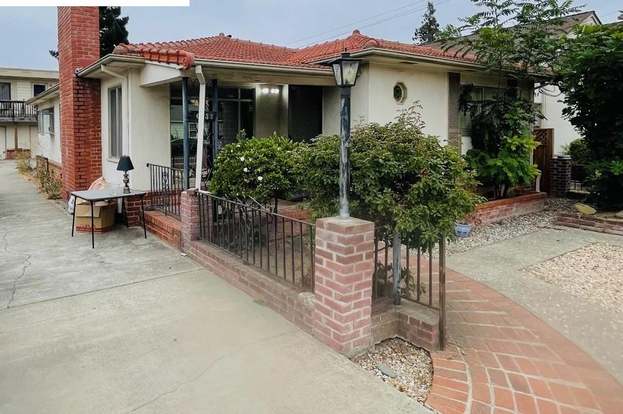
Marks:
<point>412,366</point>
<point>593,272</point>
<point>512,227</point>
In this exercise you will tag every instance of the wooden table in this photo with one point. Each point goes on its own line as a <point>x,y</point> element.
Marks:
<point>93,196</point>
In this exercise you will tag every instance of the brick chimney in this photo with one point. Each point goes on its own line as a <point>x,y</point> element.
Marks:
<point>81,147</point>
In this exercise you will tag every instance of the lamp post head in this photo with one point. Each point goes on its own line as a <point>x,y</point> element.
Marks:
<point>345,70</point>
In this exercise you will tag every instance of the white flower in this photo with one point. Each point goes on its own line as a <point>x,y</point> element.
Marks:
<point>260,178</point>
<point>241,158</point>
<point>245,169</point>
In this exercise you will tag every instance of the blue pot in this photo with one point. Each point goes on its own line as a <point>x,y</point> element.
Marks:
<point>462,229</point>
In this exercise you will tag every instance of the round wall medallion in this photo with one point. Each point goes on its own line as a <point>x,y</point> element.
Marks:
<point>400,92</point>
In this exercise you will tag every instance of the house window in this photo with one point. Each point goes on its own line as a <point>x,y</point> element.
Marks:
<point>5,91</point>
<point>400,92</point>
<point>115,134</point>
<point>473,96</point>
<point>45,121</point>
<point>37,89</point>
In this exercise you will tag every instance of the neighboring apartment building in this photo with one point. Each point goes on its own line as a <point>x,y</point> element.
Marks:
<point>18,120</point>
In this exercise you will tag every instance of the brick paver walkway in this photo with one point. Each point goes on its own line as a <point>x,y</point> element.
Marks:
<point>503,359</point>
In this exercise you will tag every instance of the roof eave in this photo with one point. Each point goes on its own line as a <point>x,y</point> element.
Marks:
<point>44,96</point>
<point>407,56</point>
<point>95,66</point>
<point>228,64</point>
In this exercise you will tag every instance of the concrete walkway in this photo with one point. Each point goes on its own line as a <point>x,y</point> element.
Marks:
<point>133,326</point>
<point>595,330</point>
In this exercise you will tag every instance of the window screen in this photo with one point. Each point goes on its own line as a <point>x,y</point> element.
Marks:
<point>115,121</point>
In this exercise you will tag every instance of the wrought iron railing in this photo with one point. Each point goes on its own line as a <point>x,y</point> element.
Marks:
<point>279,245</point>
<point>166,186</point>
<point>422,275</point>
<point>579,179</point>
<point>17,110</point>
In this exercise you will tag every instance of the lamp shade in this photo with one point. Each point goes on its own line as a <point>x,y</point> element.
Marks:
<point>345,70</point>
<point>125,164</point>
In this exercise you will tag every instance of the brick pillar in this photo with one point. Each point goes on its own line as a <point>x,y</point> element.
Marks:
<point>81,147</point>
<point>343,283</point>
<point>189,216</point>
<point>560,170</point>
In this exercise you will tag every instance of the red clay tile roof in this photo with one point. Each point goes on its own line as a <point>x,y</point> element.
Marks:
<point>226,48</point>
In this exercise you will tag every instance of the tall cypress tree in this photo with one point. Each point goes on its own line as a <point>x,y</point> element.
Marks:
<point>429,30</point>
<point>112,30</point>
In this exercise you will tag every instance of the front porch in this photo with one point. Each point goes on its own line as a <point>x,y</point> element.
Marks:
<point>220,106</point>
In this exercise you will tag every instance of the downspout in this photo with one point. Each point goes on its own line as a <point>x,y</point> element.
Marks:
<point>186,172</point>
<point>126,108</point>
<point>200,125</point>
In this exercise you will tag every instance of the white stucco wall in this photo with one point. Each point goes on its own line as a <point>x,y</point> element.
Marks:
<point>146,135</point>
<point>49,145</point>
<point>551,107</point>
<point>427,87</point>
<point>372,98</point>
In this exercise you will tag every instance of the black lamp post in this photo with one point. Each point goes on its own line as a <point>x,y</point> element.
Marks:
<point>125,165</point>
<point>345,70</point>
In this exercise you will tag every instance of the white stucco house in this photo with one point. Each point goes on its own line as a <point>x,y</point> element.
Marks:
<point>18,119</point>
<point>259,89</point>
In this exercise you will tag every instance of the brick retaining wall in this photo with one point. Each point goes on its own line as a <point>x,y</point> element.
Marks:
<point>498,210</point>
<point>592,223</point>
<point>339,311</point>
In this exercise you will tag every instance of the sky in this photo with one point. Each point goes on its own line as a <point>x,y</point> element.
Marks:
<point>294,23</point>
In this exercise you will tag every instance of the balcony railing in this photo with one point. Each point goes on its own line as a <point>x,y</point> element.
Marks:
<point>16,111</point>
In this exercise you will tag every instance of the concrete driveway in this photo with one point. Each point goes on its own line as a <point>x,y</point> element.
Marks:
<point>133,326</point>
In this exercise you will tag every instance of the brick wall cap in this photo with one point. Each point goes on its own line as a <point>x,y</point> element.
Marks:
<point>345,223</point>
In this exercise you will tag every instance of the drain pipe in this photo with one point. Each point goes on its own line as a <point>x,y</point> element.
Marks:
<point>126,108</point>
<point>200,125</point>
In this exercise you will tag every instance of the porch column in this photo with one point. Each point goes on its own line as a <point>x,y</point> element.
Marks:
<point>200,127</point>
<point>215,118</point>
<point>186,183</point>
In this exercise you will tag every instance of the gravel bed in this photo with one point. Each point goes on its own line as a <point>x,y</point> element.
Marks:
<point>512,227</point>
<point>593,272</point>
<point>408,368</point>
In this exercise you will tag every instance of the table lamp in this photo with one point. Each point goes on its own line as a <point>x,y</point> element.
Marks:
<point>125,165</point>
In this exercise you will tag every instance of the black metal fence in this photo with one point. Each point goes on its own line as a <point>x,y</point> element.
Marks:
<point>166,186</point>
<point>17,110</point>
<point>579,179</point>
<point>278,245</point>
<point>422,275</point>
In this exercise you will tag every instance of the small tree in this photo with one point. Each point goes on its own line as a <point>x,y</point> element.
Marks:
<point>112,30</point>
<point>517,42</point>
<point>429,30</point>
<point>402,179</point>
<point>256,169</point>
<point>590,74</point>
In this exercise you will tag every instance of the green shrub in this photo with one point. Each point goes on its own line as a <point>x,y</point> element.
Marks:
<point>511,167</point>
<point>49,183</point>
<point>401,179</point>
<point>259,169</point>
<point>578,151</point>
<point>590,74</point>
<point>23,162</point>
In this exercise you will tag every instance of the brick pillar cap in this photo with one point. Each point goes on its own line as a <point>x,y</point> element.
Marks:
<point>338,223</point>
<point>191,191</point>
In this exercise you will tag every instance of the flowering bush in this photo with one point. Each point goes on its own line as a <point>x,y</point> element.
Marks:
<point>259,169</point>
<point>402,179</point>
